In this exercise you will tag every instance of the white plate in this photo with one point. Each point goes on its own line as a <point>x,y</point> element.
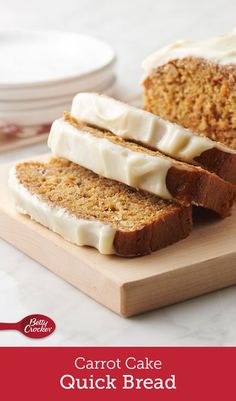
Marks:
<point>63,89</point>
<point>46,114</point>
<point>23,105</point>
<point>29,104</point>
<point>39,58</point>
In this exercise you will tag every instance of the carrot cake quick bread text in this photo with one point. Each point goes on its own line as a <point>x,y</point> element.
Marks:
<point>87,209</point>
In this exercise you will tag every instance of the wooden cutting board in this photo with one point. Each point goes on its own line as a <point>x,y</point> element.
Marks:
<point>202,263</point>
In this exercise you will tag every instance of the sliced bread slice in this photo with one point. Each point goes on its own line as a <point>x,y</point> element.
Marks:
<point>114,158</point>
<point>87,209</point>
<point>152,131</point>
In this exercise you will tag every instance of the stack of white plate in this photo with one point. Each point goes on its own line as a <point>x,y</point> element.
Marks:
<point>40,72</point>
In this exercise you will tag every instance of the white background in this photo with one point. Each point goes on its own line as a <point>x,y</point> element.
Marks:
<point>134,28</point>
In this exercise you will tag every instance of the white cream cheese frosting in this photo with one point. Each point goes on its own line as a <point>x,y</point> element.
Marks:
<point>78,231</point>
<point>132,123</point>
<point>220,50</point>
<point>109,159</point>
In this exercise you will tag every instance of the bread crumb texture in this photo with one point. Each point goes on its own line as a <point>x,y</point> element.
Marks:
<point>197,94</point>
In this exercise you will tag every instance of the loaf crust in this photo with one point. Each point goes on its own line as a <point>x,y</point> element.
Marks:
<point>220,162</point>
<point>201,189</point>
<point>171,227</point>
<point>198,95</point>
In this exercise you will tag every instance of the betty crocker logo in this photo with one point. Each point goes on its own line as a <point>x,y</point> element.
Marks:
<point>33,326</point>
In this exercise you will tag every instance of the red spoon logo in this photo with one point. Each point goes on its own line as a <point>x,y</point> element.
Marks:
<point>33,326</point>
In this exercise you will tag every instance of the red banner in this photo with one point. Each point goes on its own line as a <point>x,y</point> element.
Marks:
<point>117,373</point>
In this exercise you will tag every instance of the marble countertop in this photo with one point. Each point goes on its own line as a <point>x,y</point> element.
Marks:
<point>135,28</point>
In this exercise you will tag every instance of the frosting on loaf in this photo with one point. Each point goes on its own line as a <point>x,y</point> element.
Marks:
<point>220,50</point>
<point>136,124</point>
<point>109,159</point>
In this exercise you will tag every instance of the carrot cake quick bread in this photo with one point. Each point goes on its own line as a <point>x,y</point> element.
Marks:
<point>139,167</point>
<point>150,130</point>
<point>194,84</point>
<point>90,210</point>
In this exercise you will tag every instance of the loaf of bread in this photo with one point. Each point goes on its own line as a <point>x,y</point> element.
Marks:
<point>152,131</point>
<point>139,167</point>
<point>194,84</point>
<point>90,210</point>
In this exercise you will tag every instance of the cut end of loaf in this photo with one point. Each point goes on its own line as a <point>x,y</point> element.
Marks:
<point>196,94</point>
